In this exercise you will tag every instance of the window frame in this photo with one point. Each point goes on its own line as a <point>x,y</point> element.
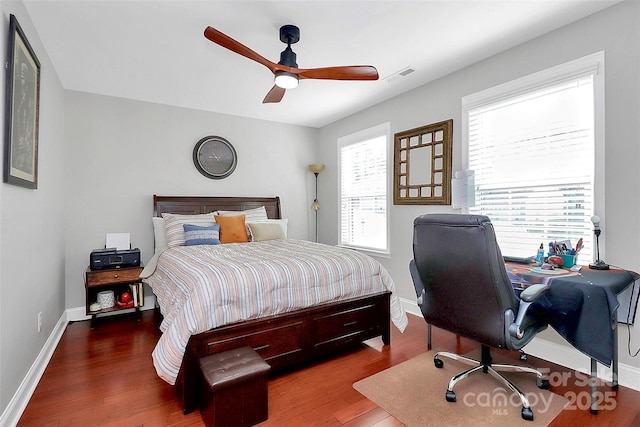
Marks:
<point>383,129</point>
<point>593,64</point>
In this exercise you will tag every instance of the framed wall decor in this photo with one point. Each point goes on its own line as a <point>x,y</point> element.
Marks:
<point>422,165</point>
<point>21,110</point>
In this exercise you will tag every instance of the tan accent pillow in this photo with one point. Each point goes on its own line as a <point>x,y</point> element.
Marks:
<point>266,231</point>
<point>174,225</point>
<point>232,229</point>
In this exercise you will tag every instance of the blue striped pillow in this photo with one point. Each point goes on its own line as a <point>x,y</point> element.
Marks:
<point>201,235</point>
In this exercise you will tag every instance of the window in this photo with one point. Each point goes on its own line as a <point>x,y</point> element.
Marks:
<point>532,145</point>
<point>363,183</point>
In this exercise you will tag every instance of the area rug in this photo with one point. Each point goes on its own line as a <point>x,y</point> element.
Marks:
<point>414,393</point>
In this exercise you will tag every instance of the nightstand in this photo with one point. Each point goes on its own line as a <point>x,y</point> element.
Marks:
<point>117,280</point>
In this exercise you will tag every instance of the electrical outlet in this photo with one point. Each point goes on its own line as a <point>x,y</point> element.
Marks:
<point>39,321</point>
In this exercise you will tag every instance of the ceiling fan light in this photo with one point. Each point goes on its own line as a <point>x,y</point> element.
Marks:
<point>286,80</point>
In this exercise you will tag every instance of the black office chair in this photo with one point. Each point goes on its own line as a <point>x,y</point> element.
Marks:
<point>462,286</point>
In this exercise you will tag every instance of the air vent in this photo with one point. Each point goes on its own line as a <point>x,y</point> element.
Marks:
<point>398,74</point>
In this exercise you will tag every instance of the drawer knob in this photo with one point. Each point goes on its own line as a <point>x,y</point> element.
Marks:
<point>115,276</point>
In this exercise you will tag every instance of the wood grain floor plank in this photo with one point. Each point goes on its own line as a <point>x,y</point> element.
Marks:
<point>105,377</point>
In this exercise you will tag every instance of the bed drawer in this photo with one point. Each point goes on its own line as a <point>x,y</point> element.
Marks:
<point>277,345</point>
<point>336,329</point>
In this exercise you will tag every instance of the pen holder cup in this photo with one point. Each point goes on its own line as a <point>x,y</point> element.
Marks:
<point>568,261</point>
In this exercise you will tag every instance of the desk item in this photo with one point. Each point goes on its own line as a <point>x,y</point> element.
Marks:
<point>540,254</point>
<point>598,264</point>
<point>568,261</point>
<point>519,260</point>
<point>554,272</point>
<point>555,260</point>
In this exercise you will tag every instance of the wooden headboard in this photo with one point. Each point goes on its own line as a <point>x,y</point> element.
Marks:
<point>194,205</point>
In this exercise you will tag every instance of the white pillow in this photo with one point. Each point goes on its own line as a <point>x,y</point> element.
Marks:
<point>283,223</point>
<point>174,225</point>
<point>250,215</point>
<point>159,234</point>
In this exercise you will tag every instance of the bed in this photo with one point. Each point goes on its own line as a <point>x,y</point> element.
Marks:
<point>319,321</point>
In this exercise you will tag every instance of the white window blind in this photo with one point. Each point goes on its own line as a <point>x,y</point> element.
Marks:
<point>533,155</point>
<point>363,190</point>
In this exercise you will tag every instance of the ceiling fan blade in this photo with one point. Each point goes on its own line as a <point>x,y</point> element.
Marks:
<point>352,72</point>
<point>275,95</point>
<point>237,47</point>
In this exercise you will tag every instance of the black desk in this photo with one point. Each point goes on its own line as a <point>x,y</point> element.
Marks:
<point>583,309</point>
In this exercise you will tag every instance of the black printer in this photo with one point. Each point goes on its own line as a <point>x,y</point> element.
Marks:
<point>101,259</point>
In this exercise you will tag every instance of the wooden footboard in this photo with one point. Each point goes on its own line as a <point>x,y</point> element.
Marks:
<point>290,339</point>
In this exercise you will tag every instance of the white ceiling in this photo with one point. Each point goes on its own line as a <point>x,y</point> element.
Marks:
<point>155,51</point>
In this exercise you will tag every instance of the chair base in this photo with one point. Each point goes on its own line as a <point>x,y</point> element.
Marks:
<point>494,370</point>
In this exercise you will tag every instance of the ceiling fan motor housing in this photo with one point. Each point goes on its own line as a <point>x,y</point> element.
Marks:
<point>289,34</point>
<point>288,58</point>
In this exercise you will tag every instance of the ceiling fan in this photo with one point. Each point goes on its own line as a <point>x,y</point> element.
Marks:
<point>286,71</point>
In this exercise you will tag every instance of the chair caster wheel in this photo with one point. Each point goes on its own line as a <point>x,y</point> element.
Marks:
<point>439,363</point>
<point>527,414</point>
<point>543,384</point>
<point>451,396</point>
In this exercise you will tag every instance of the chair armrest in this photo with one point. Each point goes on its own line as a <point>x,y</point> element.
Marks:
<point>533,292</point>
<point>527,297</point>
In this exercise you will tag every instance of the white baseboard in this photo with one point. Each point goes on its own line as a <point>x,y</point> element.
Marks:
<point>564,355</point>
<point>410,306</point>
<point>12,413</point>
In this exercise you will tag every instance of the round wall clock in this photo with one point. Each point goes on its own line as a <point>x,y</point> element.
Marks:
<point>214,157</point>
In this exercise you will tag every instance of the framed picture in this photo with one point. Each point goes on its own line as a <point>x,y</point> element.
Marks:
<point>422,165</point>
<point>22,109</point>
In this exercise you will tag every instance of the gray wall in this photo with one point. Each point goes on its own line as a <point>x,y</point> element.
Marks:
<point>120,152</point>
<point>32,237</point>
<point>616,31</point>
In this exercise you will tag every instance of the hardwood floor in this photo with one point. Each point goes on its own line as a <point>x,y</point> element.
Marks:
<point>105,377</point>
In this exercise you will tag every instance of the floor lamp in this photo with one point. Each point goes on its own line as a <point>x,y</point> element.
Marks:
<point>316,168</point>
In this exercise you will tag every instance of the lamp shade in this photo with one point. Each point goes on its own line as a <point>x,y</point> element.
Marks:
<point>316,167</point>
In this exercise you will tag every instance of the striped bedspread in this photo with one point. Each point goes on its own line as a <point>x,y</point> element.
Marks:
<point>203,287</point>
